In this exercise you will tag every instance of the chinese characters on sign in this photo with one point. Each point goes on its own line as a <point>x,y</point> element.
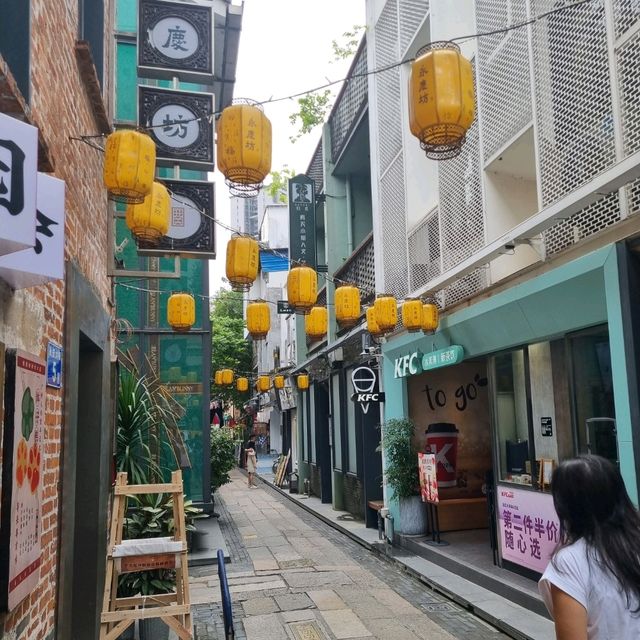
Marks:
<point>181,126</point>
<point>23,450</point>
<point>529,527</point>
<point>302,220</point>
<point>428,479</point>
<point>54,365</point>
<point>175,40</point>
<point>43,262</point>
<point>18,170</point>
<point>416,362</point>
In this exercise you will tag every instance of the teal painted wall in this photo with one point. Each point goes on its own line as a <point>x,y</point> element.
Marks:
<point>575,296</point>
<point>182,362</point>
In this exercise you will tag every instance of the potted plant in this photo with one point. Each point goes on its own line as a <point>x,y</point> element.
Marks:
<point>401,471</point>
<point>223,457</point>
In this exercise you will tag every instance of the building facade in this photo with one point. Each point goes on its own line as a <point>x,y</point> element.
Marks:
<point>181,361</point>
<point>58,321</point>
<point>526,242</point>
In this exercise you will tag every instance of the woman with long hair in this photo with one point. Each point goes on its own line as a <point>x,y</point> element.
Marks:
<point>592,584</point>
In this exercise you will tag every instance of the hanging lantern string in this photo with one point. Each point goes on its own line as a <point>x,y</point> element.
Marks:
<point>263,246</point>
<point>202,296</point>
<point>210,116</point>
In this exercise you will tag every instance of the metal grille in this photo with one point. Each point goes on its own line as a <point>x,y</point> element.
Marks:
<point>424,251</point>
<point>629,77</point>
<point>504,83</point>
<point>394,229</point>
<point>626,14</point>
<point>388,85</point>
<point>633,197</point>
<point>322,296</point>
<point>349,104</point>
<point>315,170</point>
<point>467,287</point>
<point>461,210</point>
<point>594,218</point>
<point>573,97</point>
<point>360,270</point>
<point>412,13</point>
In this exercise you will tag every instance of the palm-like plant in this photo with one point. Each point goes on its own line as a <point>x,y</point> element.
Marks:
<point>146,428</point>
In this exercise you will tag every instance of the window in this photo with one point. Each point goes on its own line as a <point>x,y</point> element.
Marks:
<point>15,42</point>
<point>552,400</point>
<point>91,30</point>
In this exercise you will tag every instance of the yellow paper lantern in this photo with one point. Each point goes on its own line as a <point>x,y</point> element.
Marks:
<point>181,311</point>
<point>316,322</point>
<point>278,382</point>
<point>372,323</point>
<point>302,381</point>
<point>227,377</point>
<point>430,317</point>
<point>441,99</point>
<point>412,314</point>
<point>347,301</point>
<point>258,319</point>
<point>244,147</point>
<point>217,378</point>
<point>149,221</point>
<point>242,384</point>
<point>129,165</point>
<point>302,288</point>
<point>263,384</point>
<point>386,312</point>
<point>242,262</point>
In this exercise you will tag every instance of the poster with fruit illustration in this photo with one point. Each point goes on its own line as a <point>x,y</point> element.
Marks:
<point>20,519</point>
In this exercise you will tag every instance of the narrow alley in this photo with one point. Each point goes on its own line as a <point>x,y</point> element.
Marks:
<point>292,576</point>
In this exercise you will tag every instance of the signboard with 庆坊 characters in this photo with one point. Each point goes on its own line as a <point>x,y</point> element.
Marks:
<point>175,39</point>
<point>181,125</point>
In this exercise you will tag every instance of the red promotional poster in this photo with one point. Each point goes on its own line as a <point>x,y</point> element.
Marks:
<point>428,478</point>
<point>22,475</point>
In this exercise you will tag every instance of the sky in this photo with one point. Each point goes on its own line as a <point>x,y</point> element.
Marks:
<point>285,48</point>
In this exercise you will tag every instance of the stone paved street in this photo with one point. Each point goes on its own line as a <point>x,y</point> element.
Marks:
<point>292,577</point>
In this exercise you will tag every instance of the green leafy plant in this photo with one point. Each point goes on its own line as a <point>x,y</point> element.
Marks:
<point>313,109</point>
<point>401,457</point>
<point>349,44</point>
<point>223,457</point>
<point>151,516</point>
<point>278,188</point>
<point>146,424</point>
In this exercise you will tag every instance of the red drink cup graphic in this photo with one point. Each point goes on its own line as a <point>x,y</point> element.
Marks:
<point>442,440</point>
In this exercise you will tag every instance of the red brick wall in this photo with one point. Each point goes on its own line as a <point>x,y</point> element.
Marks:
<point>29,318</point>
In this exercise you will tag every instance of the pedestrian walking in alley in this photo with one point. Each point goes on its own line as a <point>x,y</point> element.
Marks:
<point>251,462</point>
<point>592,584</point>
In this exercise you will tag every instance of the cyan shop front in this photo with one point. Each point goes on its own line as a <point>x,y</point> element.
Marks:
<point>508,387</point>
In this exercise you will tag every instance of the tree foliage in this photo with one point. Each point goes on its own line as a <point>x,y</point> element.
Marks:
<point>230,349</point>
<point>348,46</point>
<point>314,106</point>
<point>278,189</point>
<point>223,457</point>
<point>313,111</point>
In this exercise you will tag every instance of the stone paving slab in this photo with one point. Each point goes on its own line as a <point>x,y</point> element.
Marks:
<point>344,623</point>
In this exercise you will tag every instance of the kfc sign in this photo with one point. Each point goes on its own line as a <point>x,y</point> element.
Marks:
<point>18,171</point>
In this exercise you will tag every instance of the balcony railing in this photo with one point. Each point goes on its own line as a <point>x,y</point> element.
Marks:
<point>349,103</point>
<point>359,270</point>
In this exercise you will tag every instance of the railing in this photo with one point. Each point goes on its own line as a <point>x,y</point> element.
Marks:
<point>359,270</point>
<point>349,103</point>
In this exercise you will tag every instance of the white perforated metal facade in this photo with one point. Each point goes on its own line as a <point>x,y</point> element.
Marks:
<point>424,251</point>
<point>391,178</point>
<point>504,70</point>
<point>412,14</point>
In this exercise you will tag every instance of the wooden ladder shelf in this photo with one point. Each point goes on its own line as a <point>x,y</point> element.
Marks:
<point>125,556</point>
